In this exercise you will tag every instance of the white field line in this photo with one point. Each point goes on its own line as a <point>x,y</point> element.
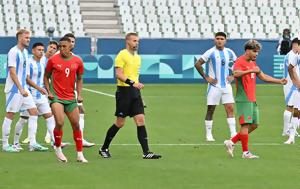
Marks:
<point>98,92</point>
<point>184,144</point>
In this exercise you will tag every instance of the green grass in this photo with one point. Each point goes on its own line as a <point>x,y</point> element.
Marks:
<point>175,115</point>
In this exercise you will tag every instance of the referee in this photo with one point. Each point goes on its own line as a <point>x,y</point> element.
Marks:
<point>128,97</point>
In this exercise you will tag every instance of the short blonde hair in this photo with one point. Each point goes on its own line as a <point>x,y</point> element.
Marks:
<point>22,31</point>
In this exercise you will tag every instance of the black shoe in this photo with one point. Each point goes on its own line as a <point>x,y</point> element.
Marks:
<point>151,155</point>
<point>104,153</point>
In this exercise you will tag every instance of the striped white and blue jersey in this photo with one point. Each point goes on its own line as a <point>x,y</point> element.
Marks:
<point>291,58</point>
<point>19,60</point>
<point>219,64</point>
<point>37,71</point>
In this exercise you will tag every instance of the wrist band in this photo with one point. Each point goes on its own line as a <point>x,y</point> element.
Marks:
<point>129,82</point>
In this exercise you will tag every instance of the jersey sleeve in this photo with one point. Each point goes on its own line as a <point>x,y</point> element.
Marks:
<point>12,59</point>
<point>237,66</point>
<point>80,69</point>
<point>119,62</point>
<point>206,55</point>
<point>293,61</point>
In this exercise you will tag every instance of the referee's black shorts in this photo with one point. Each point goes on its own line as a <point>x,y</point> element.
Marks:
<point>128,102</point>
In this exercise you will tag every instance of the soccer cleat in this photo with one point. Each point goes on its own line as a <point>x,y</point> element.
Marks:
<point>249,155</point>
<point>81,159</point>
<point>37,148</point>
<point>289,141</point>
<point>47,139</point>
<point>60,156</point>
<point>10,149</point>
<point>87,144</point>
<point>229,146</point>
<point>210,138</point>
<point>151,155</point>
<point>25,141</point>
<point>17,146</point>
<point>104,153</point>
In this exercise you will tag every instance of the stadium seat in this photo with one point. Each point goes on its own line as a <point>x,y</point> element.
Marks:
<point>149,10</point>
<point>186,3</point>
<point>177,20</point>
<point>160,3</point>
<point>24,17</point>
<point>154,27</point>
<point>33,2</point>
<point>265,11</point>
<point>224,3</point>
<point>262,3</point>
<point>72,3</point>
<point>175,11</point>
<point>190,19</point>
<point>167,30</point>
<point>268,20</point>
<point>146,3</point>
<point>61,9</point>
<point>213,11</point>
<point>35,9</point>
<point>201,11</point>
<point>188,11</point>
<point>252,10</point>
<point>134,3</point>
<point>208,35</point>
<point>10,17</point>
<point>162,11</point>
<point>124,10</point>
<point>198,3</point>
<point>126,19</point>
<point>21,9</point>
<point>211,3</point>
<point>235,35</point>
<point>260,35</point>
<point>194,34</point>
<point>74,10</point>
<point>288,3</point>
<point>47,2</point>
<point>173,3</point>
<point>123,3</point>
<point>151,19</point>
<point>242,19</point>
<point>270,28</point>
<point>164,19</point>
<point>218,28</point>
<point>226,11</point>
<point>237,4</point>
<point>50,18</point>
<point>277,11</point>
<point>128,27</point>
<point>49,9</point>
<point>36,19</point>
<point>8,9</point>
<point>203,19</point>
<point>257,28</point>
<point>245,28</point>
<point>247,35</point>
<point>205,28</point>
<point>290,11</point>
<point>59,2</point>
<point>137,10</point>
<point>232,28</point>
<point>139,19</point>
<point>193,28</point>
<point>273,35</point>
<point>230,19</point>
<point>11,28</point>
<point>293,20</point>
<point>255,20</point>
<point>155,34</point>
<point>275,3</point>
<point>25,25</point>
<point>216,19</point>
<point>239,11</point>
<point>249,3</point>
<point>21,2</point>
<point>280,20</point>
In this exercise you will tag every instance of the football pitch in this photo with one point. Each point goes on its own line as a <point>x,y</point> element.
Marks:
<point>175,122</point>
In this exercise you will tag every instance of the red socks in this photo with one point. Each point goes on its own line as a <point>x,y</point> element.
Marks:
<point>236,138</point>
<point>58,137</point>
<point>78,140</point>
<point>244,140</point>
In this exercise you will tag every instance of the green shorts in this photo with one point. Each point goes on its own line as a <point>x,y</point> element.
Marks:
<point>247,113</point>
<point>69,105</point>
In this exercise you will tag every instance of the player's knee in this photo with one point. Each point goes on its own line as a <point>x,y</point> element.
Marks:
<point>119,124</point>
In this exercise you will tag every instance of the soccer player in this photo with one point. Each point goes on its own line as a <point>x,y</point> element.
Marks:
<point>85,143</point>
<point>18,96</point>
<point>293,70</point>
<point>36,83</point>
<point>245,71</point>
<point>128,97</point>
<point>220,60</point>
<point>64,70</point>
<point>289,89</point>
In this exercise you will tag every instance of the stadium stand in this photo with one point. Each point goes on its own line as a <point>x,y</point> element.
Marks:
<point>263,19</point>
<point>151,18</point>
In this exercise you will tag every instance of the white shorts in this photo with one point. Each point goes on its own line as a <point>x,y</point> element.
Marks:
<point>42,105</point>
<point>289,94</point>
<point>15,102</point>
<point>216,94</point>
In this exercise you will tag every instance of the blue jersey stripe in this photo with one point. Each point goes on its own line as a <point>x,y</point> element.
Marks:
<point>223,65</point>
<point>24,64</point>
<point>38,94</point>
<point>10,98</point>
<point>214,63</point>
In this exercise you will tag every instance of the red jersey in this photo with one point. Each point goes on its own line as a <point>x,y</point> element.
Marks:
<point>246,85</point>
<point>63,75</point>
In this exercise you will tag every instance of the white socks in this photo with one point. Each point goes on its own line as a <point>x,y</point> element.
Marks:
<point>208,127</point>
<point>293,127</point>
<point>81,123</point>
<point>18,129</point>
<point>32,128</point>
<point>286,121</point>
<point>232,127</point>
<point>5,131</point>
<point>50,122</point>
